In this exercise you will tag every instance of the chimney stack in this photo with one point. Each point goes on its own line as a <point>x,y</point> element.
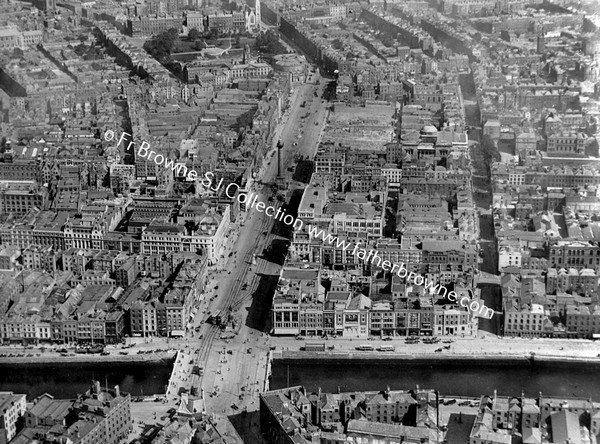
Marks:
<point>117,391</point>
<point>97,387</point>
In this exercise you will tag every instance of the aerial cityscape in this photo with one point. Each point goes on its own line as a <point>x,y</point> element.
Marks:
<point>300,221</point>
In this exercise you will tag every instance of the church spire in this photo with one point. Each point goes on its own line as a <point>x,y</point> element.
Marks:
<point>257,13</point>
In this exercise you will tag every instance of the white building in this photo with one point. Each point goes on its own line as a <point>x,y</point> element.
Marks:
<point>12,407</point>
<point>509,254</point>
<point>392,173</point>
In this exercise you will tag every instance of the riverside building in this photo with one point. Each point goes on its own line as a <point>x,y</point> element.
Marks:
<point>302,306</point>
<point>99,415</point>
<point>294,415</point>
<point>358,417</point>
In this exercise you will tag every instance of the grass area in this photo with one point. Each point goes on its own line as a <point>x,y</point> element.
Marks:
<point>183,45</point>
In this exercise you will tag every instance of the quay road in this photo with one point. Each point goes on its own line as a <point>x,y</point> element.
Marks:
<point>485,344</point>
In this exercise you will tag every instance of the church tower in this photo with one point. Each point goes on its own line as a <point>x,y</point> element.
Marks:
<point>257,13</point>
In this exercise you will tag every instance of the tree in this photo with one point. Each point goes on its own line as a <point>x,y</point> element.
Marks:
<point>267,42</point>
<point>194,35</point>
<point>337,44</point>
<point>18,53</point>
<point>160,46</point>
<point>214,34</point>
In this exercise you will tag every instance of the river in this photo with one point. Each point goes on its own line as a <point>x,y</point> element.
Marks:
<point>67,380</point>
<point>450,378</point>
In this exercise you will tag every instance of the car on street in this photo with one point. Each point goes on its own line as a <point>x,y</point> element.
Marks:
<point>438,350</point>
<point>249,351</point>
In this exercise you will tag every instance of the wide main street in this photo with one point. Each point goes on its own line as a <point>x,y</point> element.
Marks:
<point>234,370</point>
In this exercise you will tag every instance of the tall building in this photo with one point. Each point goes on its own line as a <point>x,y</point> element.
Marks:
<point>12,407</point>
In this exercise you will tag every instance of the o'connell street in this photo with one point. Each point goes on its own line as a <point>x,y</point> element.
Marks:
<point>284,222</point>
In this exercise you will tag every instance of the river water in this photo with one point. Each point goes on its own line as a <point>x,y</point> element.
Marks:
<point>67,380</point>
<point>450,378</point>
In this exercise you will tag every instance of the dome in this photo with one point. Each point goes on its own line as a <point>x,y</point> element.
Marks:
<point>429,129</point>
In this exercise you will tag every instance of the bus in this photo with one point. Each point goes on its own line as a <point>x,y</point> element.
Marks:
<point>365,348</point>
<point>386,348</point>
